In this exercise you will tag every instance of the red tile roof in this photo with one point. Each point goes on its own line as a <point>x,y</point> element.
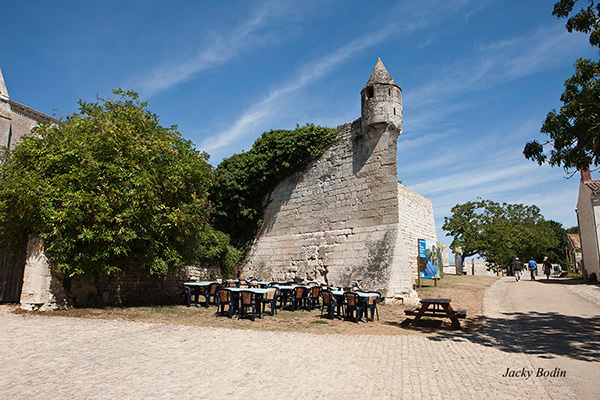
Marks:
<point>575,241</point>
<point>594,184</point>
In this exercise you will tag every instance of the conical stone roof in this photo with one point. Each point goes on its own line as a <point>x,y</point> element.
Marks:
<point>380,75</point>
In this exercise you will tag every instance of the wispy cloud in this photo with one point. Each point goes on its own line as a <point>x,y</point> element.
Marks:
<point>413,19</point>
<point>221,49</point>
<point>308,74</point>
<point>498,63</point>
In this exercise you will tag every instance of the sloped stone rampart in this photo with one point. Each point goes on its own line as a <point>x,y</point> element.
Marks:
<point>345,220</point>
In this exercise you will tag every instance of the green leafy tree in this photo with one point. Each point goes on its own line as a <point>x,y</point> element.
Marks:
<point>558,254</point>
<point>244,180</point>
<point>499,232</point>
<point>110,190</point>
<point>573,229</point>
<point>574,130</point>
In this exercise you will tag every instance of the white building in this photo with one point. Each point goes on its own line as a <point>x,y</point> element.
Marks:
<point>588,219</point>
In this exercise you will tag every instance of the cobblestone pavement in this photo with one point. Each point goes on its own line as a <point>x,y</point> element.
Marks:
<point>67,358</point>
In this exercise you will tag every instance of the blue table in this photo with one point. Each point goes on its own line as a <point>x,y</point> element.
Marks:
<point>258,291</point>
<point>361,294</point>
<point>339,294</point>
<point>285,291</point>
<point>197,288</point>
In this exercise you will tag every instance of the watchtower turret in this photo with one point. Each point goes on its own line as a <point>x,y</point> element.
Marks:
<point>381,101</point>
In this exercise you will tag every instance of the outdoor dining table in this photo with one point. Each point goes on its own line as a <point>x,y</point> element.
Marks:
<point>361,294</point>
<point>258,291</point>
<point>290,287</point>
<point>262,284</point>
<point>197,289</point>
<point>287,289</point>
<point>339,294</point>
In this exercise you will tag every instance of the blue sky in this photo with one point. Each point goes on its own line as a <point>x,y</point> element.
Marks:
<point>478,78</point>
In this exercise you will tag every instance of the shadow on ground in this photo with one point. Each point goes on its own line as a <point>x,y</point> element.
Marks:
<point>541,334</point>
<point>565,281</point>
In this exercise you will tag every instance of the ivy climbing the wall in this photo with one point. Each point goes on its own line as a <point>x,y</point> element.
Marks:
<point>244,180</point>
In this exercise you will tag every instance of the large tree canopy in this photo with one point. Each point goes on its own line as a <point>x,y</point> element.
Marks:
<point>500,232</point>
<point>109,190</point>
<point>574,130</point>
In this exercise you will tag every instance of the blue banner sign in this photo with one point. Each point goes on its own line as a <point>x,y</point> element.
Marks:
<point>422,248</point>
<point>430,259</point>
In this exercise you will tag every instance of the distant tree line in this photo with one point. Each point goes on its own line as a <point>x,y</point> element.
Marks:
<point>499,233</point>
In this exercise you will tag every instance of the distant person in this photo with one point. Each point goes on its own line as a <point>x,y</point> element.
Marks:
<point>547,268</point>
<point>517,266</point>
<point>532,268</point>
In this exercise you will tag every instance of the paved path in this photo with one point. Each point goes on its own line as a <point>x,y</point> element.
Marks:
<point>65,358</point>
<point>556,323</point>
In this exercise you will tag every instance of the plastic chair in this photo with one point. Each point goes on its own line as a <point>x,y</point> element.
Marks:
<point>312,298</point>
<point>211,291</point>
<point>312,283</point>
<point>354,306</point>
<point>247,301</point>
<point>224,298</point>
<point>355,288</point>
<point>330,302</point>
<point>371,304</point>
<point>271,298</point>
<point>298,296</point>
<point>186,296</point>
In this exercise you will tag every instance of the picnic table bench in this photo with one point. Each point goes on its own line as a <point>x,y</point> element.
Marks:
<point>437,308</point>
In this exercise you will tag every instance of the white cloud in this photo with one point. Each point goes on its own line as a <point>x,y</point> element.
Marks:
<point>221,49</point>
<point>412,19</point>
<point>308,74</point>
<point>498,63</point>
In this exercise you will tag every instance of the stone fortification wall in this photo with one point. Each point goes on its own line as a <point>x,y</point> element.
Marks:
<point>346,220</point>
<point>416,222</point>
<point>336,222</point>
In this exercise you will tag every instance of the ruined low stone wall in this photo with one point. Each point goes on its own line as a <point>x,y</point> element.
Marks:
<point>136,289</point>
<point>479,267</point>
<point>43,289</point>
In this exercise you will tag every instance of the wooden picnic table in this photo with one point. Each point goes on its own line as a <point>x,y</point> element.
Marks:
<point>437,308</point>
